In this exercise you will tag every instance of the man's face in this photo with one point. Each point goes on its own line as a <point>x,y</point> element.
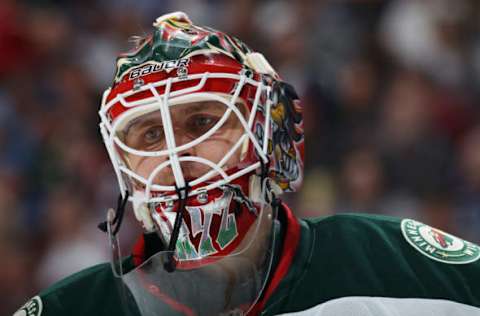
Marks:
<point>189,122</point>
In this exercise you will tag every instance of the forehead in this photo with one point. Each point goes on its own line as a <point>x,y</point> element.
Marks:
<point>202,106</point>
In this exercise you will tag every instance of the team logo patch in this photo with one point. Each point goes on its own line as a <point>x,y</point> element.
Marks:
<point>31,308</point>
<point>438,245</point>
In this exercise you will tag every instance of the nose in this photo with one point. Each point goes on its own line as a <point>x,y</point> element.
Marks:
<point>190,169</point>
<point>182,137</point>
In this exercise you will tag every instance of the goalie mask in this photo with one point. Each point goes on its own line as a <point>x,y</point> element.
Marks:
<point>203,135</point>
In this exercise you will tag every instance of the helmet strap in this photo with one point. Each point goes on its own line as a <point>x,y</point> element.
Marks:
<point>119,214</point>
<point>182,194</point>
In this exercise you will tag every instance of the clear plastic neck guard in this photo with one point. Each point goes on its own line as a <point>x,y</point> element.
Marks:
<point>227,285</point>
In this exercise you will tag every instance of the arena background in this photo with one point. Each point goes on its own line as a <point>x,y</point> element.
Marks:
<point>390,94</point>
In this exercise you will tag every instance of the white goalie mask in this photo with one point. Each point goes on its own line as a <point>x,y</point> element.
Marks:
<point>202,135</point>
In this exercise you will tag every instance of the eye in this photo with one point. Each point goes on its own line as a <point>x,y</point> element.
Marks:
<point>153,134</point>
<point>201,123</point>
<point>204,121</point>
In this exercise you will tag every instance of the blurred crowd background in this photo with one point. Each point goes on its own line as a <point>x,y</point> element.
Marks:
<point>390,94</point>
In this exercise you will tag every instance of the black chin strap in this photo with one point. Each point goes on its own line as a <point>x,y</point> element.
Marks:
<point>119,214</point>
<point>182,194</point>
<point>263,170</point>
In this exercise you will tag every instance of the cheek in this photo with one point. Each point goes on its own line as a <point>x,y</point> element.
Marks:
<point>213,150</point>
<point>144,166</point>
<point>216,148</point>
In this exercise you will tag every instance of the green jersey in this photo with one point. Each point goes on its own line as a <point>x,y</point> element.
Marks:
<point>348,264</point>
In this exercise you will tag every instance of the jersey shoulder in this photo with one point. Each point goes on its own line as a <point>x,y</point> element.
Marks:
<point>88,292</point>
<point>391,239</point>
<point>404,236</point>
<point>346,219</point>
<point>363,255</point>
<point>79,279</point>
<point>355,228</point>
<point>356,238</point>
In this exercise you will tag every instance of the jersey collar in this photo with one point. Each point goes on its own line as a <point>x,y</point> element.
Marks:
<point>290,256</point>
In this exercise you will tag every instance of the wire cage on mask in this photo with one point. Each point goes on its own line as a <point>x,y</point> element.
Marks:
<point>259,107</point>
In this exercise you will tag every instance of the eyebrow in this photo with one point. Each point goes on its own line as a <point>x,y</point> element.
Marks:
<point>140,120</point>
<point>201,106</point>
<point>193,107</point>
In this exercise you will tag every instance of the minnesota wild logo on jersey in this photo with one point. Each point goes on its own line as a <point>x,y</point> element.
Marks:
<point>438,245</point>
<point>31,308</point>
